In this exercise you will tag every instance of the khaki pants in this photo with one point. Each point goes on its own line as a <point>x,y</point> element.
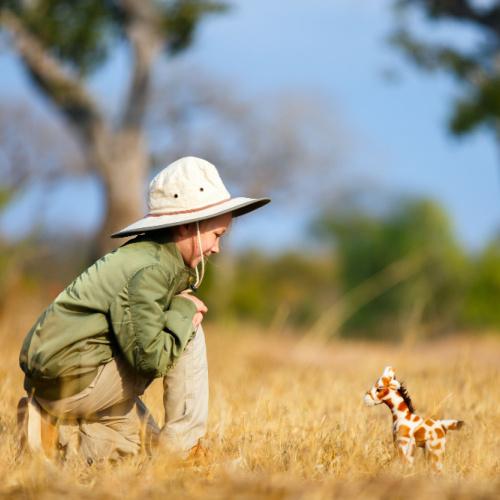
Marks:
<point>108,420</point>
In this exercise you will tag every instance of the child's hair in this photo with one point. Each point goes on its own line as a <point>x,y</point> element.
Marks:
<point>161,235</point>
<point>164,233</point>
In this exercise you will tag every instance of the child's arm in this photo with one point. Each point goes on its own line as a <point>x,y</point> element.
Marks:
<point>149,337</point>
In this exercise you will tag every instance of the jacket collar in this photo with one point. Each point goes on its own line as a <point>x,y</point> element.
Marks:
<point>186,274</point>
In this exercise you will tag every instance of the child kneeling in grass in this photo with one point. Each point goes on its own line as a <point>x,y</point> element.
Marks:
<point>130,318</point>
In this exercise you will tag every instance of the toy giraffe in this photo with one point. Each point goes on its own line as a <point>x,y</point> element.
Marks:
<point>410,430</point>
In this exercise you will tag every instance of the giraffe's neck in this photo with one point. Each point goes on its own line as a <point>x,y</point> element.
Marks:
<point>398,407</point>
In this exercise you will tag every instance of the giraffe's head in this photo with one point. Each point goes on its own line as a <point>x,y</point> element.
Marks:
<point>383,389</point>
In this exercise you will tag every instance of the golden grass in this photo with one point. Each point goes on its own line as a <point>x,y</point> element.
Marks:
<point>287,421</point>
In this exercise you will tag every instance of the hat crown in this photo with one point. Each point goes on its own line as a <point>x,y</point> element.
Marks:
<point>187,184</point>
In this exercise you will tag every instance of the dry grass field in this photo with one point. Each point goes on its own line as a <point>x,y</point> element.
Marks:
<point>287,421</point>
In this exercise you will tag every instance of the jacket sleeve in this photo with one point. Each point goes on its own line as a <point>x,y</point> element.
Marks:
<point>150,335</point>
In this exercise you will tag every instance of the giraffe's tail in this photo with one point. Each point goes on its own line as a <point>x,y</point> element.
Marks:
<point>451,425</point>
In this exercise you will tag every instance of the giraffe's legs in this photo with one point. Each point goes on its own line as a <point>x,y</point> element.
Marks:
<point>406,449</point>
<point>435,453</point>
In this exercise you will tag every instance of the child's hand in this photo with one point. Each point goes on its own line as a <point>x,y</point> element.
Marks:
<point>197,319</point>
<point>201,308</point>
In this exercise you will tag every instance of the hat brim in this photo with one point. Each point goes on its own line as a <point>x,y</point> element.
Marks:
<point>236,206</point>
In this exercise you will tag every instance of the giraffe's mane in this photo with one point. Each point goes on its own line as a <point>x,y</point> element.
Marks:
<point>406,397</point>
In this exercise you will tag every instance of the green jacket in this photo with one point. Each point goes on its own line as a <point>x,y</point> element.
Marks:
<point>123,305</point>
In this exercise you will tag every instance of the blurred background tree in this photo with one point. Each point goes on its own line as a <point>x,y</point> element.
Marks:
<point>475,68</point>
<point>396,269</point>
<point>481,300</point>
<point>168,111</point>
<point>61,43</point>
<point>262,145</point>
<point>23,163</point>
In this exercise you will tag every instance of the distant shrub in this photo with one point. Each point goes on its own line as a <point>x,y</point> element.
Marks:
<point>258,287</point>
<point>399,266</point>
<point>481,305</point>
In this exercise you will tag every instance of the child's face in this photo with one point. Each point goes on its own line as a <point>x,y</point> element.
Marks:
<point>211,231</point>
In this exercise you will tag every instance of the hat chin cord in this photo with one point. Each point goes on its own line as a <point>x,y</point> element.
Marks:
<point>199,278</point>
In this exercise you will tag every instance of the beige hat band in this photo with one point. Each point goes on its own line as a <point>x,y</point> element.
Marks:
<point>190,211</point>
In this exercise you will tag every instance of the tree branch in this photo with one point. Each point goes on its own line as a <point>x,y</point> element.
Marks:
<point>66,92</point>
<point>463,10</point>
<point>143,31</point>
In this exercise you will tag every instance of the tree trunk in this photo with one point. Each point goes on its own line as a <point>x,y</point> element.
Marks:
<point>119,157</point>
<point>124,170</point>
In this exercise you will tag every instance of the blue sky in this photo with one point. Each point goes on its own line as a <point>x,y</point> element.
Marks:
<point>338,50</point>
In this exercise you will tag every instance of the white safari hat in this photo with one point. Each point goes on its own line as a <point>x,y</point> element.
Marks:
<point>188,190</point>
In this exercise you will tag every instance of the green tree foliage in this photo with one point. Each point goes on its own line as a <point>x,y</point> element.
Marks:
<point>481,308</point>
<point>82,33</point>
<point>476,69</point>
<point>394,268</point>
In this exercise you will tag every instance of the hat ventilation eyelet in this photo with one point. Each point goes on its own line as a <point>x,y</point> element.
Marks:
<point>202,189</point>
<point>176,195</point>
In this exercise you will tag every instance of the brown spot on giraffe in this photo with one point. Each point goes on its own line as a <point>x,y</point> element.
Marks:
<point>382,394</point>
<point>402,406</point>
<point>408,416</point>
<point>436,446</point>
<point>404,431</point>
<point>439,432</point>
<point>386,380</point>
<point>419,434</point>
<point>429,422</point>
